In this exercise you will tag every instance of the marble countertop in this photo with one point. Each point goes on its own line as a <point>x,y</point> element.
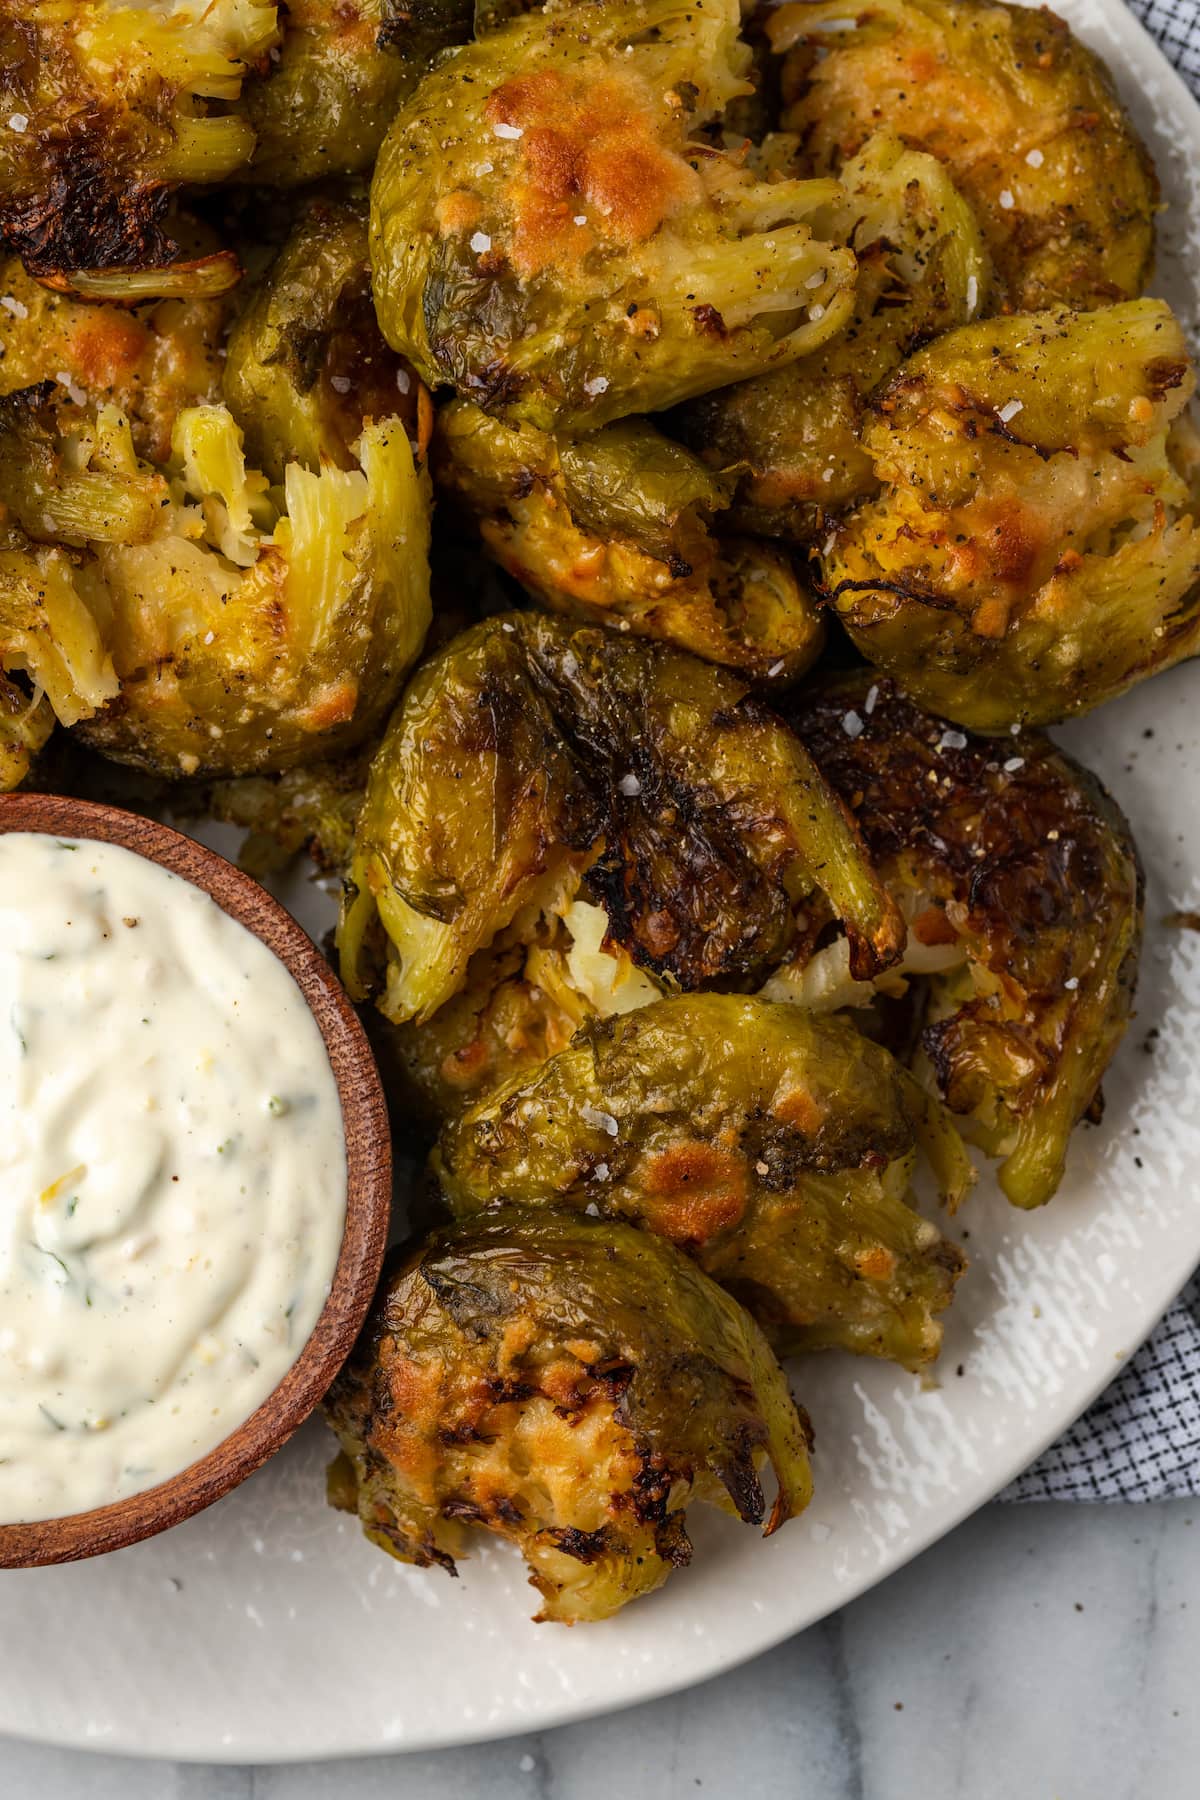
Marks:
<point>1039,1653</point>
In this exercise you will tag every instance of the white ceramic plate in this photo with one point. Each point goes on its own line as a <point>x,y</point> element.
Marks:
<point>268,1629</point>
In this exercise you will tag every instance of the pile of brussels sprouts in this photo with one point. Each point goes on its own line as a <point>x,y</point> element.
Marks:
<point>623,485</point>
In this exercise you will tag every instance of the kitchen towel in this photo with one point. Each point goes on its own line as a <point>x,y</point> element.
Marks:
<point>1141,1439</point>
<point>1175,26</point>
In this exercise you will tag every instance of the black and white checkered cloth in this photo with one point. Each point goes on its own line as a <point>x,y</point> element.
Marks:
<point>1141,1440</point>
<point>1175,27</point>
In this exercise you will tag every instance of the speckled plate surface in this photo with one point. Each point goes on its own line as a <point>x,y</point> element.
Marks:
<point>267,1629</point>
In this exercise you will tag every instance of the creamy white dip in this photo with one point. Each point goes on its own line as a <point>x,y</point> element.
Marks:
<point>172,1174</point>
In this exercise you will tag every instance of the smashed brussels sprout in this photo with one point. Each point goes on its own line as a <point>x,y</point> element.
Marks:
<point>151,361</point>
<point>109,108</point>
<point>1034,551</point>
<point>500,1023</point>
<point>528,757</point>
<point>773,1145</point>
<point>250,628</point>
<point>548,239</point>
<point>322,105</point>
<point>617,526</point>
<point>572,1385</point>
<point>922,269</point>
<point>307,366</point>
<point>1024,117</point>
<point>1017,865</point>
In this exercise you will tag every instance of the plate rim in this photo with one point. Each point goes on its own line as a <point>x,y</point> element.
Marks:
<point>709,1662</point>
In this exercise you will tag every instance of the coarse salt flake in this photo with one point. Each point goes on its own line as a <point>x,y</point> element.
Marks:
<point>776,668</point>
<point>602,1171</point>
<point>511,132</point>
<point>16,307</point>
<point>77,394</point>
<point>872,699</point>
<point>1013,764</point>
<point>597,384</point>
<point>594,1115</point>
<point>579,219</point>
<point>18,122</point>
<point>630,785</point>
<point>1072,983</point>
<point>481,242</point>
<point>852,725</point>
<point>952,740</point>
<point>816,313</point>
<point>817,280</point>
<point>1006,199</point>
<point>972,294</point>
<point>1010,410</point>
<point>403,380</point>
<point>1035,159</point>
<point>340,384</point>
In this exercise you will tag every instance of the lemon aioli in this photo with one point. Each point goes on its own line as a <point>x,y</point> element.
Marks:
<point>172,1174</point>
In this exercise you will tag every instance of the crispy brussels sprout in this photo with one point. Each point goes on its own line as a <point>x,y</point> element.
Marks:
<point>1024,117</point>
<point>525,996</point>
<point>53,664</point>
<point>617,526</point>
<point>572,1385</point>
<point>1034,552</point>
<point>773,1145</point>
<point>547,239</point>
<point>307,366</point>
<point>151,361</point>
<point>797,430</point>
<point>1016,859</point>
<point>323,103</point>
<point>499,1024</point>
<point>527,757</point>
<point>110,107</point>
<point>250,629</point>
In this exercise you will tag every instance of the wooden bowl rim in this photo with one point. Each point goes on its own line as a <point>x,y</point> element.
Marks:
<point>368,1189</point>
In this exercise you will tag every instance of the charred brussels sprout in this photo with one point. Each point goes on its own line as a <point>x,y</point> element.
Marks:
<point>1017,862</point>
<point>307,366</point>
<point>110,107</point>
<point>572,1385</point>
<point>527,757</point>
<point>151,361</point>
<point>617,526</point>
<point>250,628</point>
<point>1024,117</point>
<point>773,1145</point>
<point>1034,551</point>
<point>323,104</point>
<point>547,239</point>
<point>922,269</point>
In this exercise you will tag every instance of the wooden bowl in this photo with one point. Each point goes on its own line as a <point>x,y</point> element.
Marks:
<point>368,1191</point>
